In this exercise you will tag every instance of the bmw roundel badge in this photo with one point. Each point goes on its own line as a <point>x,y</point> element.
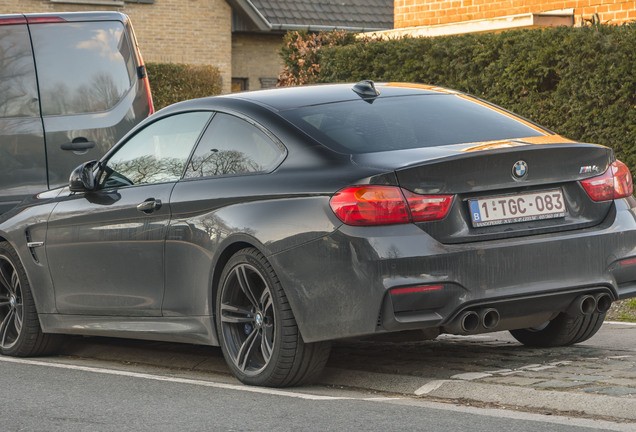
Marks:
<point>520,169</point>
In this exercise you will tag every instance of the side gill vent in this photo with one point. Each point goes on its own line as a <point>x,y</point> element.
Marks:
<point>32,245</point>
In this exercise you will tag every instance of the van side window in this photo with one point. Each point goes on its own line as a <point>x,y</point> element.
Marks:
<point>83,67</point>
<point>232,146</point>
<point>18,86</point>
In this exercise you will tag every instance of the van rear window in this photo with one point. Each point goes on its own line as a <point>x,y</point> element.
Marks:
<point>83,67</point>
<point>406,122</point>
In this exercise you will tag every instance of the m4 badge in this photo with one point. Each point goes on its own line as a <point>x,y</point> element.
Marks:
<point>588,169</point>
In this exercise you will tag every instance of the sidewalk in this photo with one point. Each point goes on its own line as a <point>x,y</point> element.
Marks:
<point>597,378</point>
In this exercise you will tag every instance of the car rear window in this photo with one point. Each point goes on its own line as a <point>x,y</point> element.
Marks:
<point>406,122</point>
<point>83,67</point>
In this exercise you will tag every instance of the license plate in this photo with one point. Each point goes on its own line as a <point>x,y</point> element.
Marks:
<point>524,207</point>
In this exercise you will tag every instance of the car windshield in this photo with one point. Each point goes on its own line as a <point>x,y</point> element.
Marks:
<point>397,123</point>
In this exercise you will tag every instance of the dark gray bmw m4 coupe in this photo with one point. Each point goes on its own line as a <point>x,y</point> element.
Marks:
<point>273,222</point>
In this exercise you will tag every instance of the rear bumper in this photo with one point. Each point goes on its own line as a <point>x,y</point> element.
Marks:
<point>340,285</point>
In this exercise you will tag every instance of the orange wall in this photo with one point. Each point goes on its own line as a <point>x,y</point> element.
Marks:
<point>412,13</point>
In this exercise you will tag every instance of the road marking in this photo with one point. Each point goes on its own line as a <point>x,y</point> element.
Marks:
<point>237,387</point>
<point>429,387</point>
<point>539,368</point>
<point>469,376</point>
<point>530,366</point>
<point>620,323</point>
<point>498,371</point>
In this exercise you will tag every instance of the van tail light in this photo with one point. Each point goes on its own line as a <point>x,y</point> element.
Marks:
<point>143,75</point>
<point>45,19</point>
<point>13,20</point>
<point>386,205</point>
<point>20,19</point>
<point>615,183</point>
<point>142,72</point>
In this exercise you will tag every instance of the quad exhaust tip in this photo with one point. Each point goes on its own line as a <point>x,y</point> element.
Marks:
<point>588,304</point>
<point>603,302</point>
<point>489,318</point>
<point>471,321</point>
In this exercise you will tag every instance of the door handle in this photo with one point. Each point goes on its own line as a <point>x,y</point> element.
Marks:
<point>78,144</point>
<point>149,206</point>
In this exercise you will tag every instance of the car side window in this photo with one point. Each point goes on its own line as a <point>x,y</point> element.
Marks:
<point>158,153</point>
<point>232,146</point>
<point>83,67</point>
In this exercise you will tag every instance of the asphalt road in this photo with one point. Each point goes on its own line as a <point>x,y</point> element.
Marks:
<point>49,395</point>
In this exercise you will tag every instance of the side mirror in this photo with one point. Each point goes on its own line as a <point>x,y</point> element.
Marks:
<point>82,178</point>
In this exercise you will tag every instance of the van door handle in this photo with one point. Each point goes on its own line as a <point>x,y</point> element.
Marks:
<point>149,206</point>
<point>78,144</point>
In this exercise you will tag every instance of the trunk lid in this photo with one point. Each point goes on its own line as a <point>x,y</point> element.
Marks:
<point>482,179</point>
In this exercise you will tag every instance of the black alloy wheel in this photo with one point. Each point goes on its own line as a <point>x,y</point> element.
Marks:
<point>20,331</point>
<point>11,307</point>
<point>257,329</point>
<point>247,316</point>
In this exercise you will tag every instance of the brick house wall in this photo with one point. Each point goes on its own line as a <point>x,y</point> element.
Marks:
<point>255,59</point>
<point>172,31</point>
<point>413,13</point>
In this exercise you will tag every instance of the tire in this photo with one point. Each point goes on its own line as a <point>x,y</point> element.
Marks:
<point>561,331</point>
<point>20,331</point>
<point>257,330</point>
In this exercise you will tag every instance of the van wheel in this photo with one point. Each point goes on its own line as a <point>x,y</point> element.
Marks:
<point>20,332</point>
<point>257,329</point>
<point>561,331</point>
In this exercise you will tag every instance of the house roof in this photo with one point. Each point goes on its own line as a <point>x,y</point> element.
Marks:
<point>352,15</point>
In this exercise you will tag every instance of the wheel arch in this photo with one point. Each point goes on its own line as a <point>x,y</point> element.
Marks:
<point>222,260</point>
<point>229,249</point>
<point>280,357</point>
<point>35,293</point>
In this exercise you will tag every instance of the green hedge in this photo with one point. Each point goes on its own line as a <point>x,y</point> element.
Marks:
<point>171,83</point>
<point>579,82</point>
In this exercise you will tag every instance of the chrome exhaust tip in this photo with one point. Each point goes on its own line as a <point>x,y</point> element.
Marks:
<point>469,321</point>
<point>489,318</point>
<point>582,305</point>
<point>603,302</point>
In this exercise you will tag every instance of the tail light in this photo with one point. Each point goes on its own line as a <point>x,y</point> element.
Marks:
<point>146,80</point>
<point>615,183</point>
<point>416,289</point>
<point>142,73</point>
<point>13,20</point>
<point>45,19</point>
<point>386,205</point>
<point>21,19</point>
